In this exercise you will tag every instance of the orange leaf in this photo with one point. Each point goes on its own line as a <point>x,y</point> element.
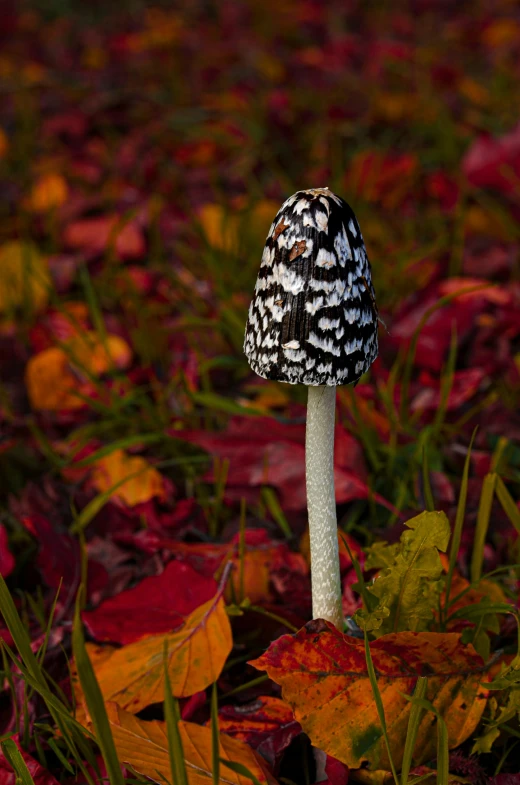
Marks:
<point>144,745</point>
<point>94,356</point>
<point>144,482</point>
<point>133,676</point>
<point>51,376</point>
<point>324,677</point>
<point>48,192</point>
<point>50,382</point>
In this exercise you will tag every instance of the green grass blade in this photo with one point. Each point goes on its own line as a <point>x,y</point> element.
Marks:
<point>508,503</point>
<point>362,587</point>
<point>98,502</point>
<point>120,444</point>
<point>19,634</point>
<point>61,757</point>
<point>379,705</point>
<point>483,515</point>
<point>427,488</point>
<point>215,740</point>
<point>459,522</point>
<point>211,400</point>
<point>94,700</point>
<point>273,505</point>
<point>413,728</point>
<point>15,759</point>
<point>179,775</point>
<point>239,768</point>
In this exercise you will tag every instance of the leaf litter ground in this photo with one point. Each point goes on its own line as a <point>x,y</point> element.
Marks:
<point>140,458</point>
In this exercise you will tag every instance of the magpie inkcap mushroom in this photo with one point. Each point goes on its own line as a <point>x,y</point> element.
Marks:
<point>313,317</point>
<point>313,321</point>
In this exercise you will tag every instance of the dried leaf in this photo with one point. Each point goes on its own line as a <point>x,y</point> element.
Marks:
<point>324,677</point>
<point>144,745</point>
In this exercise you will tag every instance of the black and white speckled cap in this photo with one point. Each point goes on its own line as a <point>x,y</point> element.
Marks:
<point>313,318</point>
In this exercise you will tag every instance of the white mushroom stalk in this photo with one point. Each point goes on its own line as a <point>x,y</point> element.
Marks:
<point>321,505</point>
<point>313,321</point>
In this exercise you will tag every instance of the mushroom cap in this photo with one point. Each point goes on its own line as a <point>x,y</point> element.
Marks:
<point>313,317</point>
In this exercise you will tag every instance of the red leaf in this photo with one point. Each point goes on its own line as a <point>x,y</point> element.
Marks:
<point>157,604</point>
<point>40,775</point>
<point>265,452</point>
<point>96,234</point>
<point>7,561</point>
<point>494,162</point>
<point>267,725</point>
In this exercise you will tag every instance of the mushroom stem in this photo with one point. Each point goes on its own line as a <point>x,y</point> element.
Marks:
<point>321,505</point>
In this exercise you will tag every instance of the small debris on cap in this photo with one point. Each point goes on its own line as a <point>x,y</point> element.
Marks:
<point>313,317</point>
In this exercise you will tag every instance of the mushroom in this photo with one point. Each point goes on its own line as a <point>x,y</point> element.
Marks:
<point>313,321</point>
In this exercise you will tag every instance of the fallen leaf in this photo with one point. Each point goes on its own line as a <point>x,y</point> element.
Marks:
<point>40,776</point>
<point>7,561</point>
<point>144,482</point>
<point>47,193</point>
<point>494,162</point>
<point>158,604</point>
<point>51,384</point>
<point>133,676</point>
<point>144,745</point>
<point>53,376</point>
<point>25,278</point>
<point>95,355</point>
<point>101,233</point>
<point>324,677</point>
<point>267,725</point>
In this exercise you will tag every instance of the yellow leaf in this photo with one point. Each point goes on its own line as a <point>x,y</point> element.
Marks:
<point>133,676</point>
<point>144,746</point>
<point>24,277</point>
<point>221,229</point>
<point>145,482</point>
<point>89,353</point>
<point>48,192</point>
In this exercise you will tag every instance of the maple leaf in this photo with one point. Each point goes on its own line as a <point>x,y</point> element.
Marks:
<point>133,676</point>
<point>410,583</point>
<point>144,745</point>
<point>324,677</point>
